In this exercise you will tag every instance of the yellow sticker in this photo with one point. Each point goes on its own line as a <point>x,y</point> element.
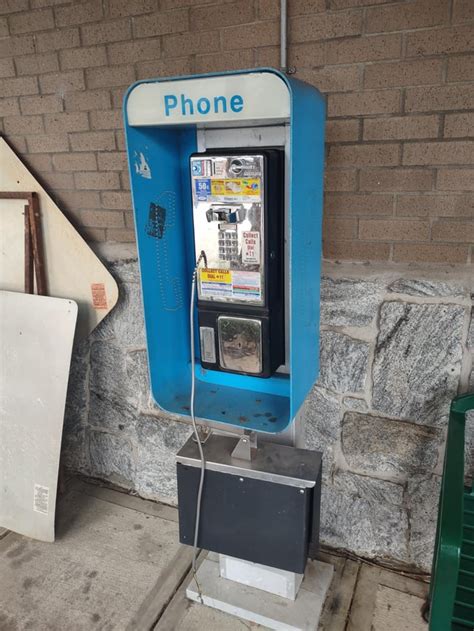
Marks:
<point>238,186</point>
<point>216,276</point>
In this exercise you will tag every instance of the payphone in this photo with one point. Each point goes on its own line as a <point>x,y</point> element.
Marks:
<point>238,229</point>
<point>226,176</point>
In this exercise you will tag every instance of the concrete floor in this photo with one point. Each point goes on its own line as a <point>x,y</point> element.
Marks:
<point>117,565</point>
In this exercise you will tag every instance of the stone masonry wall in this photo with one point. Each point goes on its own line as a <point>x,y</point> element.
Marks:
<point>396,346</point>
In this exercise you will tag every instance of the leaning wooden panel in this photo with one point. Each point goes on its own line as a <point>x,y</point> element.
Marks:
<point>72,268</point>
<point>36,337</point>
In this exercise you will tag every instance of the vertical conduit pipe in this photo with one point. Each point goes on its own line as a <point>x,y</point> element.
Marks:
<point>283,35</point>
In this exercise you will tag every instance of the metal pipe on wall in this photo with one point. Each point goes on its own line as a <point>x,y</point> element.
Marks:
<point>283,35</point>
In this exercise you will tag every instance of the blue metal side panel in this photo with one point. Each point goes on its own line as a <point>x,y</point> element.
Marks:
<point>306,204</point>
<point>163,255</point>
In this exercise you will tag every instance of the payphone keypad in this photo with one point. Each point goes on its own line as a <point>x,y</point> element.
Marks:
<point>228,244</point>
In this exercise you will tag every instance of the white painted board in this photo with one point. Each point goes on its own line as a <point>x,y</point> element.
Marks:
<point>36,337</point>
<point>72,269</point>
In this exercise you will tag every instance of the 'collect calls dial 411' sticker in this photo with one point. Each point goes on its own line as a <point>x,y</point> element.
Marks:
<point>251,247</point>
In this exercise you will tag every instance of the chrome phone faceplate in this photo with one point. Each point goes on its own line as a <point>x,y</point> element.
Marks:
<point>228,199</point>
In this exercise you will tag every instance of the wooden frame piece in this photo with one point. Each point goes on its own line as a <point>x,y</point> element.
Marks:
<point>34,253</point>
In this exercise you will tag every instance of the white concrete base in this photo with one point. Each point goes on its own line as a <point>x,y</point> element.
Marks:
<point>270,579</point>
<point>255,605</point>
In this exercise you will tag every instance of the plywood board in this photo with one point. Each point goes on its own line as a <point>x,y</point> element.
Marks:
<point>72,269</point>
<point>36,336</point>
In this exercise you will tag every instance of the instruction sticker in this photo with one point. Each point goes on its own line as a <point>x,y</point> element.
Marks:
<point>223,284</point>
<point>220,167</point>
<point>251,247</point>
<point>201,167</point>
<point>202,188</point>
<point>216,283</point>
<point>99,297</point>
<point>248,187</point>
<point>41,499</point>
<point>246,285</point>
<point>208,344</point>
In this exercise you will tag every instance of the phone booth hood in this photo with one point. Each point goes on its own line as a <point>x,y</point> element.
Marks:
<point>168,120</point>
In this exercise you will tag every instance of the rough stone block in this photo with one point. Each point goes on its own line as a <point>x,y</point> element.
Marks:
<point>422,501</point>
<point>373,445</point>
<point>343,362</point>
<point>104,331</point>
<point>119,387</point>
<point>128,324</point>
<point>78,388</point>
<point>112,414</point>
<point>430,288</point>
<point>470,337</point>
<point>158,442</point>
<point>321,417</point>
<point>417,360</point>
<point>136,366</point>
<point>111,458</point>
<point>365,516</point>
<point>349,302</point>
<point>74,452</point>
<point>354,403</point>
<point>125,271</point>
<point>107,370</point>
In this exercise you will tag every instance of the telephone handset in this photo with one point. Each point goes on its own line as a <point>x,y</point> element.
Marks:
<point>238,225</point>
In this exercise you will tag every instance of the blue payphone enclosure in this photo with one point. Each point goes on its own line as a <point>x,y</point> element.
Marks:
<point>158,157</point>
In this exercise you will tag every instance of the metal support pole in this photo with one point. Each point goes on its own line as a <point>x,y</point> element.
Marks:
<point>283,35</point>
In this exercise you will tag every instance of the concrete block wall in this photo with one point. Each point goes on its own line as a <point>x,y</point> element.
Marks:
<point>396,346</point>
<point>398,77</point>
